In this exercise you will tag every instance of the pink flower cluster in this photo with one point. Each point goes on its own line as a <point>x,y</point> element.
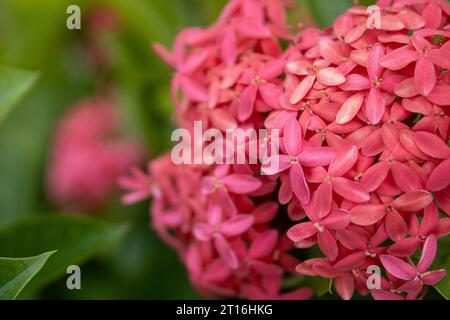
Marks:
<point>87,156</point>
<point>364,166</point>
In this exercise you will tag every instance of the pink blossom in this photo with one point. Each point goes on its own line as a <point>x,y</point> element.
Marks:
<point>86,159</point>
<point>363,169</point>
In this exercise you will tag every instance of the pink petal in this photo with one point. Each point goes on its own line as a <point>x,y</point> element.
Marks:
<point>276,11</point>
<point>356,82</point>
<point>406,88</point>
<point>222,119</point>
<point>432,145</point>
<point>193,89</point>
<point>275,164</point>
<point>265,212</point>
<point>217,271</point>
<point>375,105</point>
<point>225,251</point>
<point>374,68</point>
<point>236,225</point>
<point>330,77</point>
<point>337,220</point>
<point>403,248</point>
<point>432,15</point>
<point>399,58</point>
<point>193,62</point>
<point>164,54</point>
<point>440,177</point>
<point>429,250</point>
<point>272,69</point>
<point>228,47</point>
<point>302,89</point>
<point>263,244</point>
<point>214,214</point>
<point>373,144</point>
<point>379,294</point>
<point>405,178</point>
<point>342,25</point>
<point>425,76</point>
<point>344,159</point>
<point>298,67</point>
<point>247,102</point>
<point>312,157</point>
<point>298,184</point>
<point>270,94</point>
<point>440,95</point>
<point>390,22</point>
<point>298,294</point>
<point>408,141</point>
<point>266,269</point>
<point>351,240</point>
<point>321,200</point>
<point>390,82</point>
<point>418,105</point>
<point>353,260</point>
<point>398,268</point>
<point>433,277</point>
<point>330,51</point>
<point>411,19</point>
<point>134,197</point>
<point>241,183</point>
<point>202,231</point>
<point>367,214</point>
<point>374,176</point>
<point>395,225</point>
<point>301,231</point>
<point>327,244</point>
<point>355,33</point>
<point>430,219</point>
<point>440,57</point>
<point>344,286</point>
<point>292,137</point>
<point>252,28</point>
<point>285,192</point>
<point>350,108</point>
<point>350,190</point>
<point>413,201</point>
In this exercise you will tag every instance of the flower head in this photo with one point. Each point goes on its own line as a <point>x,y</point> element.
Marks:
<point>363,164</point>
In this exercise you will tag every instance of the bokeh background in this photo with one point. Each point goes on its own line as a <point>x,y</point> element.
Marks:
<point>120,256</point>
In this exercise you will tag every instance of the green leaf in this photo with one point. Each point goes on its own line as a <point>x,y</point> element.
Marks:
<point>15,273</point>
<point>442,261</point>
<point>76,238</point>
<point>14,83</point>
<point>325,13</point>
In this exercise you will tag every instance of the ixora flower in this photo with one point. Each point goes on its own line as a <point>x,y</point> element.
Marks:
<point>364,164</point>
<point>87,158</point>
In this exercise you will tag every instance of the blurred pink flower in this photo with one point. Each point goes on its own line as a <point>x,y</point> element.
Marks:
<point>87,157</point>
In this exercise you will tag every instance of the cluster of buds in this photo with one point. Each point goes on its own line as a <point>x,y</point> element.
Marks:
<point>364,165</point>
